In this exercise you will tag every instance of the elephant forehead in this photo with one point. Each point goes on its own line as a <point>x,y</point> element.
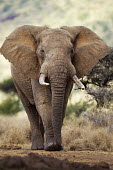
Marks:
<point>53,38</point>
<point>50,42</point>
<point>57,31</point>
<point>56,41</point>
<point>55,35</point>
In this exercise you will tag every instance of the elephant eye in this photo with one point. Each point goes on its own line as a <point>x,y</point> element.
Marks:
<point>72,54</point>
<point>72,51</point>
<point>42,51</point>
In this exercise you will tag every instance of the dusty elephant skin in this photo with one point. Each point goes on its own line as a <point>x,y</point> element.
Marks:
<point>45,62</point>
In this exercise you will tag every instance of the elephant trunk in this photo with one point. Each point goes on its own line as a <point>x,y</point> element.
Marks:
<point>58,74</point>
<point>58,87</point>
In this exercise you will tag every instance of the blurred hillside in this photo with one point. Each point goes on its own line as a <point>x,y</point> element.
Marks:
<point>95,14</point>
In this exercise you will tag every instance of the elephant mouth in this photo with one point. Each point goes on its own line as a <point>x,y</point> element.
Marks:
<point>43,80</point>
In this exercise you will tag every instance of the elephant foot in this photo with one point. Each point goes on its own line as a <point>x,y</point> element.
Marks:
<point>37,147</point>
<point>37,142</point>
<point>53,147</point>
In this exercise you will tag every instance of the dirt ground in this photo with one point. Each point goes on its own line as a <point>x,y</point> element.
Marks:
<point>15,157</point>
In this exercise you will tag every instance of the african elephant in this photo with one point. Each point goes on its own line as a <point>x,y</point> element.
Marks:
<point>45,63</point>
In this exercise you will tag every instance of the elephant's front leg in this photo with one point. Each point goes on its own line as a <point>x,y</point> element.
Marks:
<point>42,96</point>
<point>37,132</point>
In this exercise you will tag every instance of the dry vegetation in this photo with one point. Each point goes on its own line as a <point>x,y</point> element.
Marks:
<point>14,130</point>
<point>82,134</point>
<point>79,134</point>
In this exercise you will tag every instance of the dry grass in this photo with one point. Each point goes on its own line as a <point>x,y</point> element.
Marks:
<point>79,134</point>
<point>82,134</point>
<point>14,130</point>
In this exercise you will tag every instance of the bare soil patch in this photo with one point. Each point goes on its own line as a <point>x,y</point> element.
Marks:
<point>42,160</point>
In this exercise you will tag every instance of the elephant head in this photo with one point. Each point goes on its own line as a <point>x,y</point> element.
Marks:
<point>54,56</point>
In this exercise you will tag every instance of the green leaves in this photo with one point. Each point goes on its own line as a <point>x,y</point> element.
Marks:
<point>7,86</point>
<point>11,105</point>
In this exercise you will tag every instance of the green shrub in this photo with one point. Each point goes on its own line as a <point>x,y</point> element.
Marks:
<point>11,105</point>
<point>77,109</point>
<point>7,85</point>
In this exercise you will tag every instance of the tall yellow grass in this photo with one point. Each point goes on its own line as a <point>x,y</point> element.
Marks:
<point>14,130</point>
<point>79,134</point>
<point>82,134</point>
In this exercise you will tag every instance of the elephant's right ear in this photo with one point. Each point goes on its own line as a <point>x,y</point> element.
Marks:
<point>19,48</point>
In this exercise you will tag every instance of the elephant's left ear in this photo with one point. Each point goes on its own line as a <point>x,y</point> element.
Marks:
<point>89,49</point>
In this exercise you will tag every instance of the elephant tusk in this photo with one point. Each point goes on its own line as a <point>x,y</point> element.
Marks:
<point>78,82</point>
<point>42,80</point>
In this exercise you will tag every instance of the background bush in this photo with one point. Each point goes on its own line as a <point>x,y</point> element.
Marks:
<point>76,109</point>
<point>11,105</point>
<point>7,85</point>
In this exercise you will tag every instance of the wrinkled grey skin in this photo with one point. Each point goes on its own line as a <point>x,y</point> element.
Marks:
<point>45,100</point>
<point>57,54</point>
